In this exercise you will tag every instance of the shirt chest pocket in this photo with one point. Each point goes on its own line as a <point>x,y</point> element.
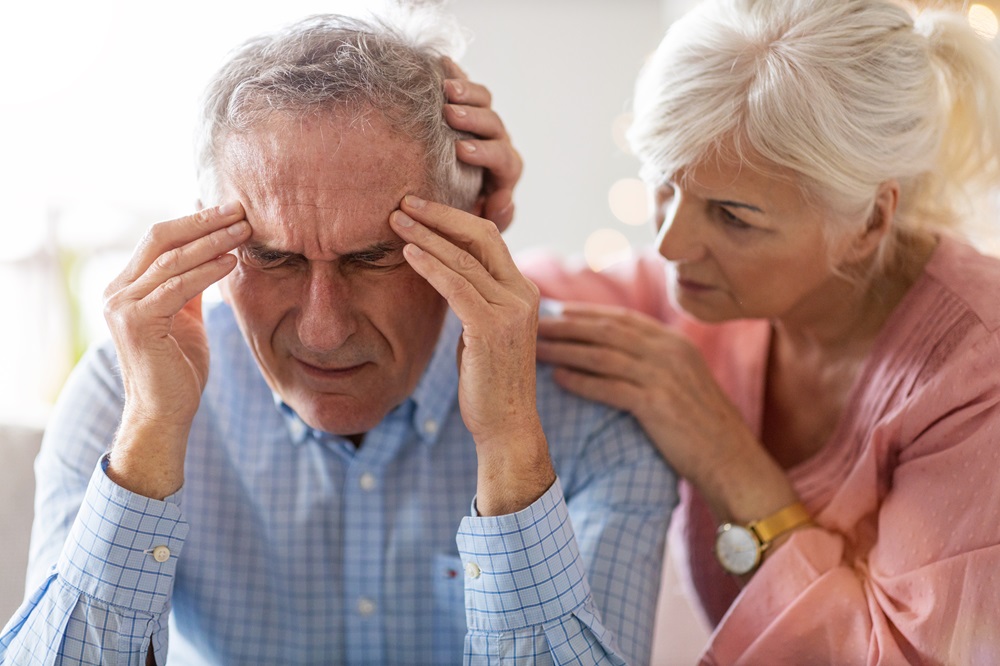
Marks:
<point>449,608</point>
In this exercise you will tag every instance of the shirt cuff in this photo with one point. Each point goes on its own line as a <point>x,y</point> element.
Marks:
<point>123,547</point>
<point>522,569</point>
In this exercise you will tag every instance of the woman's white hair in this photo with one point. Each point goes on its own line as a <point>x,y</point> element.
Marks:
<point>332,64</point>
<point>846,94</point>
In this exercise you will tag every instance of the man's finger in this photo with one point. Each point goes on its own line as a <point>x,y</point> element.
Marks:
<point>463,298</point>
<point>455,258</point>
<point>173,295</point>
<point>185,258</point>
<point>479,237</point>
<point>165,236</point>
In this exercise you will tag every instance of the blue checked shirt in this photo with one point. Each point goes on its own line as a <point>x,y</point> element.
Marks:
<point>291,546</point>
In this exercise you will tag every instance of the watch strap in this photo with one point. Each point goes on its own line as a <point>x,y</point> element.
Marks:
<point>784,520</point>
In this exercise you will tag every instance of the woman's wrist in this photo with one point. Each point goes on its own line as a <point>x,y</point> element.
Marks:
<point>744,483</point>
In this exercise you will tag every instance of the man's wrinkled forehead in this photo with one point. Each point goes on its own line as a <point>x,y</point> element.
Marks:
<point>323,162</point>
<point>308,143</point>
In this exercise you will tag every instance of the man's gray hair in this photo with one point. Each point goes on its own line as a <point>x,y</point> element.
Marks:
<point>331,64</point>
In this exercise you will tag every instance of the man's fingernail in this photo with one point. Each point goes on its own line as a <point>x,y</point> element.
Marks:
<point>468,146</point>
<point>229,208</point>
<point>459,110</point>
<point>414,201</point>
<point>457,88</point>
<point>238,229</point>
<point>402,219</point>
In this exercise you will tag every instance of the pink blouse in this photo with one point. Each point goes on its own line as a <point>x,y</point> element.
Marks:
<point>904,565</point>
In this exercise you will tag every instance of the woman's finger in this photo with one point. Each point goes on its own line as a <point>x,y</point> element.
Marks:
<point>498,156</point>
<point>484,123</point>
<point>498,208</point>
<point>607,331</point>
<point>463,91</point>
<point>599,361</point>
<point>618,393</point>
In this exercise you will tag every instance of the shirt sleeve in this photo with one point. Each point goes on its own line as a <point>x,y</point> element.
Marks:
<point>573,580</point>
<point>526,590</point>
<point>108,595</point>
<point>96,592</point>
<point>915,582</point>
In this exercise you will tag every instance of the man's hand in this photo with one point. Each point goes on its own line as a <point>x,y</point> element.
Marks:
<point>469,111</point>
<point>465,259</point>
<point>153,309</point>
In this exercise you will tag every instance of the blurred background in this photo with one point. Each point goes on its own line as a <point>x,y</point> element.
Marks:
<point>97,115</point>
<point>97,120</point>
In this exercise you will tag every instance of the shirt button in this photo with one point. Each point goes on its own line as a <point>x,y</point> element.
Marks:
<point>430,426</point>
<point>366,606</point>
<point>472,570</point>
<point>297,428</point>
<point>367,481</point>
<point>161,554</point>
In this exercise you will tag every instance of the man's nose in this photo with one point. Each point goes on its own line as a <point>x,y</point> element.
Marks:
<point>326,313</point>
<point>679,238</point>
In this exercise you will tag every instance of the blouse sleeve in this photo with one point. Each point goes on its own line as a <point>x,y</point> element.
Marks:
<point>910,578</point>
<point>638,283</point>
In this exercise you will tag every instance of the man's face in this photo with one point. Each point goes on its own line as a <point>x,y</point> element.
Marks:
<point>339,323</point>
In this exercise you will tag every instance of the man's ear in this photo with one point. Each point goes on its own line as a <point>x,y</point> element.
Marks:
<point>879,222</point>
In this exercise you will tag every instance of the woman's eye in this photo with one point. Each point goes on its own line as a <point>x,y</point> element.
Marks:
<point>732,221</point>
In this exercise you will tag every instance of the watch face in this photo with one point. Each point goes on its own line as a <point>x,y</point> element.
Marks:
<point>737,549</point>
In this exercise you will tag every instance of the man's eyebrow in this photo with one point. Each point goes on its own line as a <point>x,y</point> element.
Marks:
<point>736,204</point>
<point>258,249</point>
<point>376,251</point>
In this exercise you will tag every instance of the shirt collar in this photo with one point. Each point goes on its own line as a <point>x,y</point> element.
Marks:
<point>429,404</point>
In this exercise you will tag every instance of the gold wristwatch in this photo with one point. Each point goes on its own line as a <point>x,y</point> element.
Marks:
<point>740,548</point>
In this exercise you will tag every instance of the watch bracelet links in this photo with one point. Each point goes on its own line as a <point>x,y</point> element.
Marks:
<point>784,520</point>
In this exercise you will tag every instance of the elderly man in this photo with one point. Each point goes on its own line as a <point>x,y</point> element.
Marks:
<point>289,475</point>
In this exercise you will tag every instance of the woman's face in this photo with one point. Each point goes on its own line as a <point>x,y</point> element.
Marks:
<point>743,244</point>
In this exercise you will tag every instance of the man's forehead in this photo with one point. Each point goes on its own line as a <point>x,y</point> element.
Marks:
<point>301,138</point>
<point>294,175</point>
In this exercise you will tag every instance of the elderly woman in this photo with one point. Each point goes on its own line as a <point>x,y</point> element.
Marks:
<point>820,360</point>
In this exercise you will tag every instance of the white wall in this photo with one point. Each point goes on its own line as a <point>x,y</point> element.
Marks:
<point>561,71</point>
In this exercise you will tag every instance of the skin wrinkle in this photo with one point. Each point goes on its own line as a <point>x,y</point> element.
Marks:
<point>328,306</point>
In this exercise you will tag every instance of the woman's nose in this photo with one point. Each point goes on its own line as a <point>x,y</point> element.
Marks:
<point>678,236</point>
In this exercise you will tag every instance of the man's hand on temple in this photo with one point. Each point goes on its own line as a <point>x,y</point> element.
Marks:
<point>153,310</point>
<point>465,259</point>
